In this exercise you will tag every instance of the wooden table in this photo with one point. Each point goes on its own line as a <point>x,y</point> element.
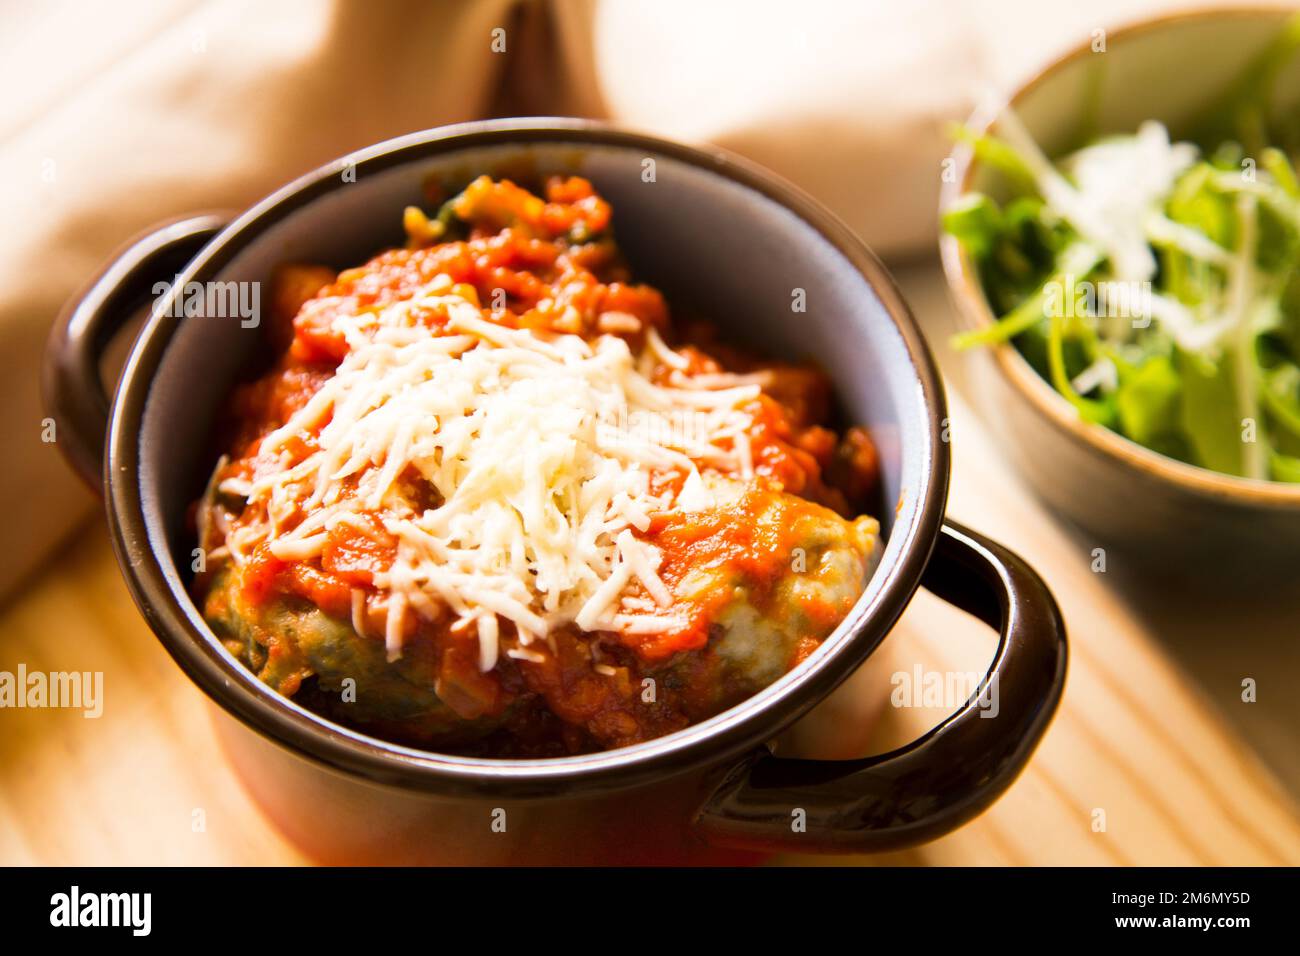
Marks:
<point>1136,739</point>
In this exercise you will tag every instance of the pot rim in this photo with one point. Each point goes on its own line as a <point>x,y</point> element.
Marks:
<point>973,308</point>
<point>179,626</point>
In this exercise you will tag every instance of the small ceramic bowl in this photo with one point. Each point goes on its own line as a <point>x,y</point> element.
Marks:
<point>709,229</point>
<point>1176,516</point>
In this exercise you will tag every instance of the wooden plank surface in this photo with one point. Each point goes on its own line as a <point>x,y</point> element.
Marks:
<point>1134,739</point>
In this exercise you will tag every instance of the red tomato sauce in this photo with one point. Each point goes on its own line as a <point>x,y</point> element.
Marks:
<point>545,263</point>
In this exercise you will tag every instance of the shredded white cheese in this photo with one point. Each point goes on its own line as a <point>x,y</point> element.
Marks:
<point>1118,185</point>
<point>512,468</point>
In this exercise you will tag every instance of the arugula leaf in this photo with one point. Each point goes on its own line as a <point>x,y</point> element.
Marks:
<point>996,153</point>
<point>1285,468</point>
<point>1288,327</point>
<point>1078,262</point>
<point>1278,165</point>
<point>1281,395</point>
<point>1101,412</point>
<point>1149,400</point>
<point>1209,413</point>
<point>1197,204</point>
<point>975,221</point>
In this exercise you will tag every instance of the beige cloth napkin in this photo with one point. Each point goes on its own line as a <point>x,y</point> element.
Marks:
<point>120,115</point>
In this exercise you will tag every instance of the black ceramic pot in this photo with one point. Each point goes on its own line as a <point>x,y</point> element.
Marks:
<point>709,229</point>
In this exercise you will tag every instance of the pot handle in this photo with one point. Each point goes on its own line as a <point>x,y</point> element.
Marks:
<point>75,395</point>
<point>938,782</point>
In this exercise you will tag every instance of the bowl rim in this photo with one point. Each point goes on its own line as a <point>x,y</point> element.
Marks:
<point>973,308</point>
<point>730,734</point>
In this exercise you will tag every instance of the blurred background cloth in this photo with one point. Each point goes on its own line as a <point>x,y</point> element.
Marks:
<point>121,115</point>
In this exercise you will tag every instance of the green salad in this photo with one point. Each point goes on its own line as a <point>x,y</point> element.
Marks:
<point>1156,284</point>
